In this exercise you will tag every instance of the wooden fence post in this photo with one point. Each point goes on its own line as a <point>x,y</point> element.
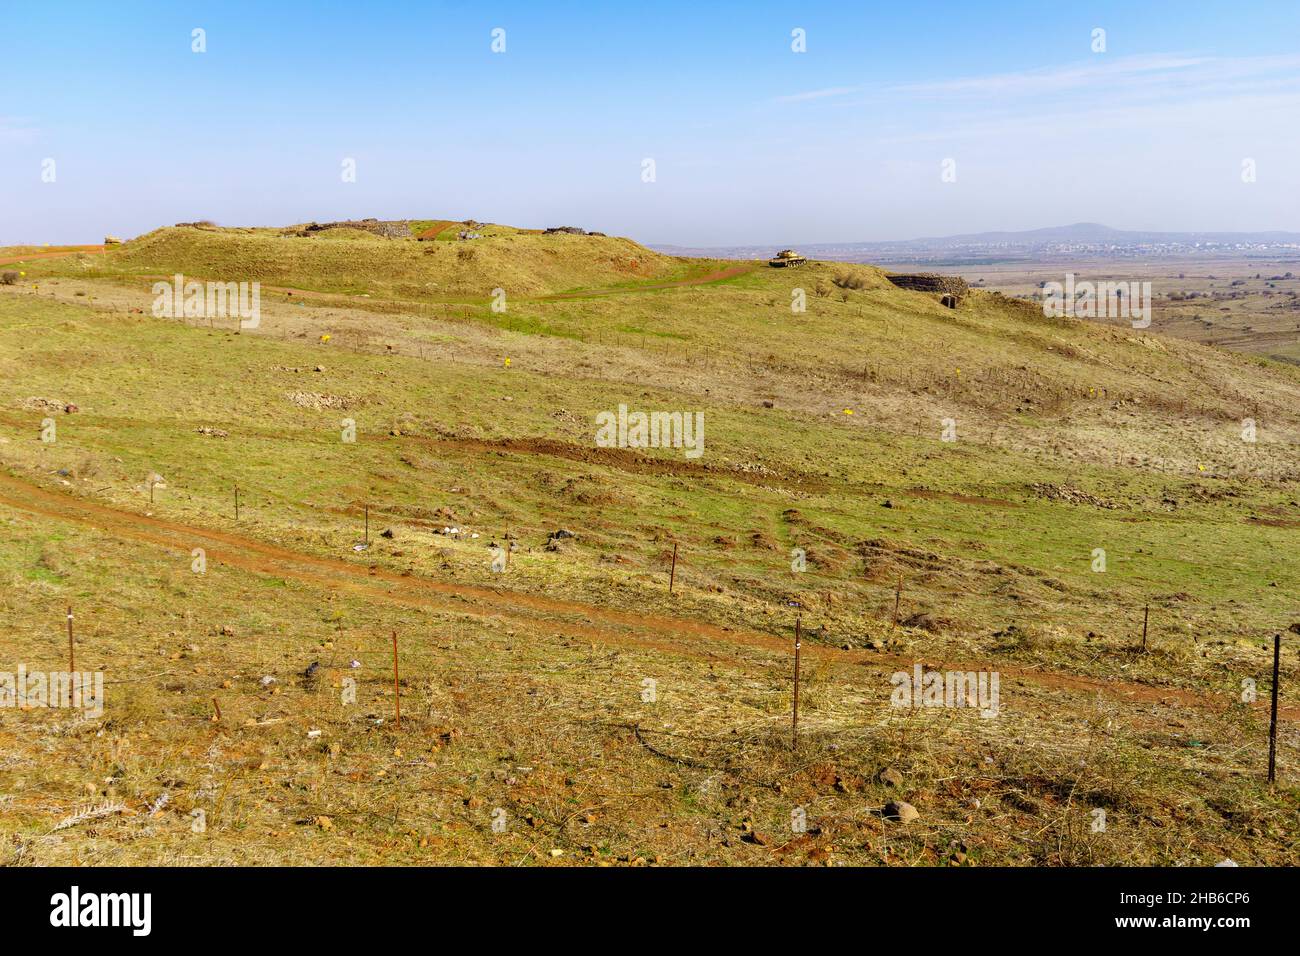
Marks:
<point>397,687</point>
<point>794,723</point>
<point>1272,723</point>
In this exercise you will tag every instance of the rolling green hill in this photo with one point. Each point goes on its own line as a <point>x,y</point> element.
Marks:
<point>349,260</point>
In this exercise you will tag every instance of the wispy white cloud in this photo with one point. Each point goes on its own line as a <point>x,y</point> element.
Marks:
<point>1175,75</point>
<point>1091,125</point>
<point>819,94</point>
<point>1145,93</point>
<point>1058,79</point>
<point>1093,99</point>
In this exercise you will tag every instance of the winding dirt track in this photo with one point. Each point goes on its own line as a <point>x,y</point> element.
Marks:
<point>51,255</point>
<point>574,619</point>
<point>438,226</point>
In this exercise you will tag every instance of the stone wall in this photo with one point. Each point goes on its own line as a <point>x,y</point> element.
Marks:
<point>389,230</point>
<point>930,282</point>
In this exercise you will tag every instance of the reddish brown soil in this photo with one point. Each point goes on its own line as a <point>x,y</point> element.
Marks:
<point>576,619</point>
<point>51,255</point>
<point>437,227</point>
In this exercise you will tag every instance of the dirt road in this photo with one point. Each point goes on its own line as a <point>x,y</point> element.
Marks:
<point>50,255</point>
<point>575,619</point>
<point>433,231</point>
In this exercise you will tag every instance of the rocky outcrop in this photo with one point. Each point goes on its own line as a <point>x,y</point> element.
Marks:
<point>930,282</point>
<point>389,230</point>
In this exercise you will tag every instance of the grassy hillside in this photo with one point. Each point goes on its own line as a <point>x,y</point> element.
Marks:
<point>348,260</point>
<point>523,690</point>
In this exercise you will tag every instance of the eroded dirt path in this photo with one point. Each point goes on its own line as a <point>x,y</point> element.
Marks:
<point>433,231</point>
<point>51,255</point>
<point>588,622</point>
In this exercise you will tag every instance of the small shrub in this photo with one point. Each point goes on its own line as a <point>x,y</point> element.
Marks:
<point>8,278</point>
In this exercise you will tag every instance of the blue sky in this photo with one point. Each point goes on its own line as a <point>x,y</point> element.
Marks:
<point>752,142</point>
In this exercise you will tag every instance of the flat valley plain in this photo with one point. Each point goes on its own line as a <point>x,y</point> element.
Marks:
<point>1245,304</point>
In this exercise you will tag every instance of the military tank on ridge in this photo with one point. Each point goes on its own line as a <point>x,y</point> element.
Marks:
<point>786,258</point>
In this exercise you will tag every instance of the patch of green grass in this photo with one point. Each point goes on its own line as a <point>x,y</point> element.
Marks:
<point>41,574</point>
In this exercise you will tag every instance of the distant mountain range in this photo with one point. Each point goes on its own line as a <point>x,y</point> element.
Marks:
<point>1082,239</point>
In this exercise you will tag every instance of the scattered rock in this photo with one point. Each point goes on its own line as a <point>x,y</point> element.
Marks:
<point>318,401</point>
<point>558,538</point>
<point>42,405</point>
<point>891,777</point>
<point>1071,496</point>
<point>900,811</point>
